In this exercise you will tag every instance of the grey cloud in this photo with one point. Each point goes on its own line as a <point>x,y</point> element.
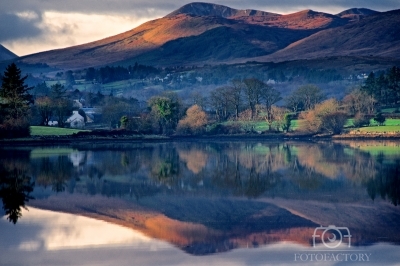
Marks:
<point>141,7</point>
<point>15,27</point>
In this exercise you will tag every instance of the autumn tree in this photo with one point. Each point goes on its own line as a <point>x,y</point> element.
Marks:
<point>194,122</point>
<point>15,103</point>
<point>324,117</point>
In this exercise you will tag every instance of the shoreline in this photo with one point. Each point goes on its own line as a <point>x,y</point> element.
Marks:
<point>112,138</point>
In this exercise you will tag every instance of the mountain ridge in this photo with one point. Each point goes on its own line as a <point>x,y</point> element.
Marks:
<point>230,34</point>
<point>6,54</point>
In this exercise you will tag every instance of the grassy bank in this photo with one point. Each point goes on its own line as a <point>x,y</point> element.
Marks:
<point>52,131</point>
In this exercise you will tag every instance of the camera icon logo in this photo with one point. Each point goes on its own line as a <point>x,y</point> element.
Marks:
<point>331,236</point>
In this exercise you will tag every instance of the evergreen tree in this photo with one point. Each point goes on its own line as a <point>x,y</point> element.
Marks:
<point>15,103</point>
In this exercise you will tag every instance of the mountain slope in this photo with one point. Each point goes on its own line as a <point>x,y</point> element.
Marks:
<point>146,37</point>
<point>6,54</point>
<point>202,32</point>
<point>377,35</point>
<point>221,44</point>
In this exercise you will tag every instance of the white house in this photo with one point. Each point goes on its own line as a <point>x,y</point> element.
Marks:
<point>76,120</point>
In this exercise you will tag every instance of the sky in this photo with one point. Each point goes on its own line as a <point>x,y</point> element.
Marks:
<point>31,26</point>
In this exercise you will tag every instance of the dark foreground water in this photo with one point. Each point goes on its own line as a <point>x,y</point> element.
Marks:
<point>201,203</point>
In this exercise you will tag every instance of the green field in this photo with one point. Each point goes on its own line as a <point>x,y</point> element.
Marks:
<point>52,131</point>
<point>262,125</point>
<point>380,129</point>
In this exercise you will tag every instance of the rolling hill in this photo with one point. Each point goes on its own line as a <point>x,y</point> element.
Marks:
<point>200,33</point>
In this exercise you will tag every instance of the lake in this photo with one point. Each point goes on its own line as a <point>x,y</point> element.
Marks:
<point>201,203</point>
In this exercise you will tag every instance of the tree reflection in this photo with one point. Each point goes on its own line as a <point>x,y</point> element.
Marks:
<point>386,184</point>
<point>54,172</point>
<point>165,166</point>
<point>15,184</point>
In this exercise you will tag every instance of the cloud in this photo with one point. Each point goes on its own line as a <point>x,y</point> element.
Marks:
<point>15,26</point>
<point>59,30</point>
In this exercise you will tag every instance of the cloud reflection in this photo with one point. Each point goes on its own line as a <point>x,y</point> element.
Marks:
<point>60,231</point>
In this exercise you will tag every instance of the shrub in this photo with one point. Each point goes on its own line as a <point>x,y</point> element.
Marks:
<point>380,119</point>
<point>360,120</point>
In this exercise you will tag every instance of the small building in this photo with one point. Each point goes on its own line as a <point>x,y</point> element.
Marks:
<point>76,120</point>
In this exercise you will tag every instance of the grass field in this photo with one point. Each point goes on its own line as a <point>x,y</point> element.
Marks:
<point>52,131</point>
<point>380,129</point>
<point>262,125</point>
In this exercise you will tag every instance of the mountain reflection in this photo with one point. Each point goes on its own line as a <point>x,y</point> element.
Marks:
<point>15,184</point>
<point>347,172</point>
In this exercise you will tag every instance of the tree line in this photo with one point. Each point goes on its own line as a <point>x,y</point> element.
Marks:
<point>241,103</point>
<point>110,74</point>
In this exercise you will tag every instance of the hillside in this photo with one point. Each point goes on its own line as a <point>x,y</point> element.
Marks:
<point>6,54</point>
<point>376,35</point>
<point>199,33</point>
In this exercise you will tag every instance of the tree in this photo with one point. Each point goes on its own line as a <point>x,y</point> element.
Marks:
<point>112,112</point>
<point>220,101</point>
<point>270,96</point>
<point>62,106</point>
<point>370,84</point>
<point>194,122</point>
<point>41,89</point>
<point>287,122</point>
<point>165,111</point>
<point>69,79</point>
<point>45,108</point>
<point>334,122</point>
<point>308,96</point>
<point>293,102</point>
<point>393,78</point>
<point>359,101</point>
<point>380,119</point>
<point>15,102</point>
<point>252,92</point>
<point>236,92</point>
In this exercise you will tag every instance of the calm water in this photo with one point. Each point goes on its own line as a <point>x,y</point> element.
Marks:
<point>201,203</point>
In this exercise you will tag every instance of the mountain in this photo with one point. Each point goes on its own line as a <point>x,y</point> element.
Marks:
<point>199,33</point>
<point>356,13</point>
<point>376,35</point>
<point>207,9</point>
<point>6,54</point>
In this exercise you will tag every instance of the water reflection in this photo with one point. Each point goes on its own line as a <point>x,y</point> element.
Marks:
<point>210,197</point>
<point>386,183</point>
<point>15,184</point>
